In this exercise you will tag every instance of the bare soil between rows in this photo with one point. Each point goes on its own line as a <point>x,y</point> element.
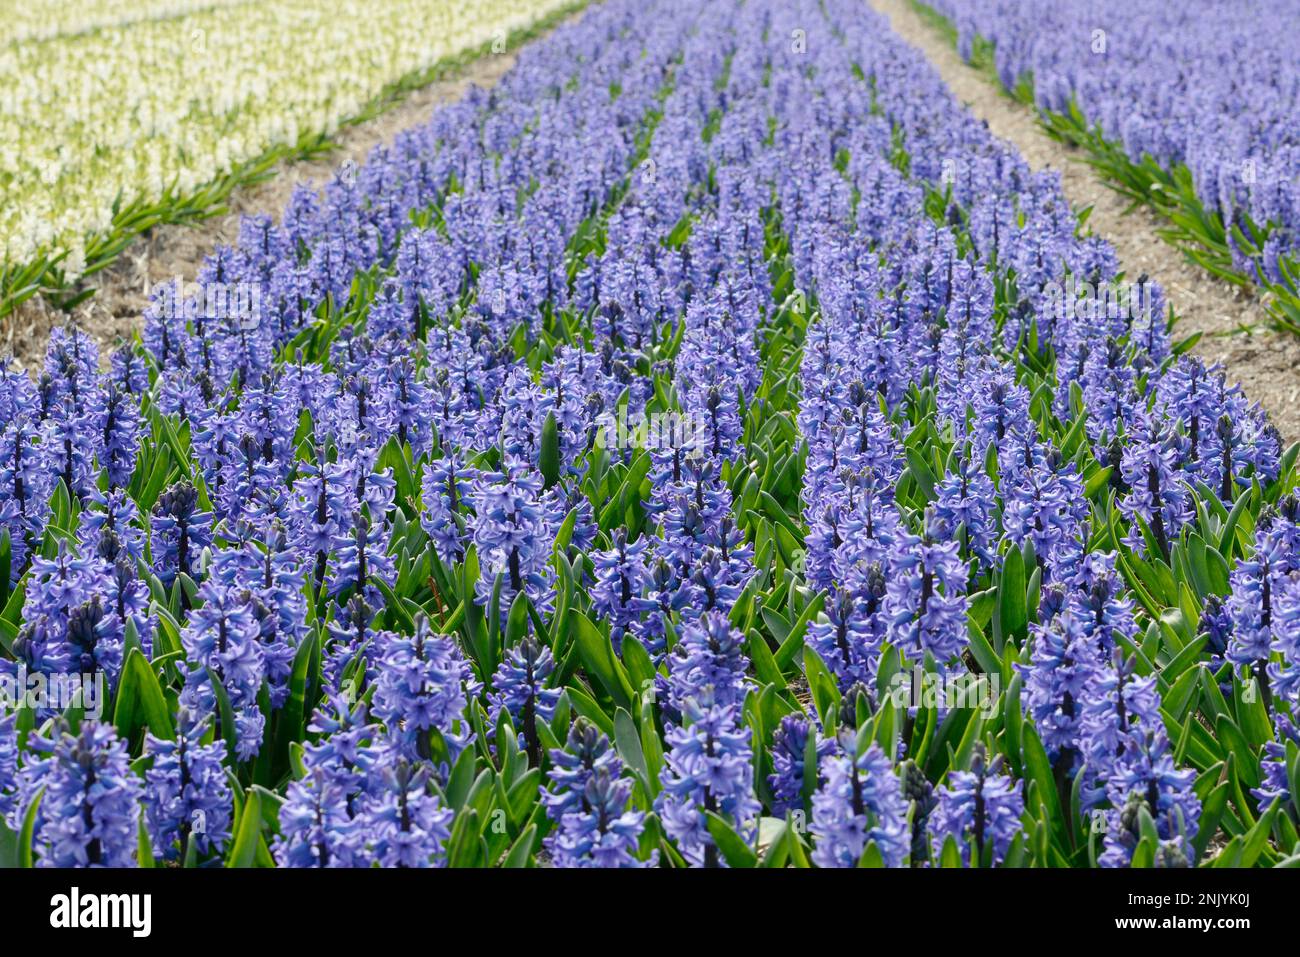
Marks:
<point>1234,326</point>
<point>165,252</point>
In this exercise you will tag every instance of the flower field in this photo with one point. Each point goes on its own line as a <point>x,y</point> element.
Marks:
<point>1211,145</point>
<point>709,448</point>
<point>120,115</point>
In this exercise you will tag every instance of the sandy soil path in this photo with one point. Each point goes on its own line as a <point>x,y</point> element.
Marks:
<point>170,251</point>
<point>1233,325</point>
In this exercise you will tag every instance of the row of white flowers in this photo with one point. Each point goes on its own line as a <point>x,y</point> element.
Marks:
<point>43,19</point>
<point>113,103</point>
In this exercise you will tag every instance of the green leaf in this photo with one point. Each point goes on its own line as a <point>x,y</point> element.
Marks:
<point>1252,714</point>
<point>1211,812</point>
<point>1039,770</point>
<point>587,707</point>
<point>289,723</point>
<point>871,856</point>
<point>1257,838</point>
<point>548,455</point>
<point>640,669</point>
<point>143,846</point>
<point>598,658</point>
<point>521,853</point>
<point>628,743</point>
<point>1247,763</point>
<point>27,831</point>
<point>247,833</point>
<point>982,651</point>
<point>1011,597</point>
<point>821,685</point>
<point>1228,536</point>
<point>463,845</point>
<point>950,854</point>
<point>765,666</point>
<point>140,701</point>
<point>731,845</point>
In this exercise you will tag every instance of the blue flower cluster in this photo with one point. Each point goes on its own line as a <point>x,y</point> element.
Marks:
<point>610,448</point>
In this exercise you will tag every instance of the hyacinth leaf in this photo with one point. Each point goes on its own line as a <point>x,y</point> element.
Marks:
<point>923,727</point>
<point>640,669</point>
<point>521,852</point>
<point>1293,772</point>
<point>948,740</point>
<point>586,706</point>
<point>1247,764</point>
<point>517,620</point>
<point>731,845</point>
<point>825,695</point>
<point>1256,840</point>
<point>521,797</point>
<point>482,795</point>
<point>396,457</point>
<point>883,728</point>
<point>140,701</point>
<point>247,832</point>
<point>950,854</point>
<point>290,724</point>
<point>628,741</point>
<point>1144,855</point>
<point>1215,705</point>
<point>144,848</point>
<point>13,608</point>
<point>982,651</point>
<point>506,744</point>
<point>1189,611</point>
<point>1013,611</point>
<point>794,641</point>
<point>167,634</point>
<point>1229,541</point>
<point>477,638</point>
<point>461,780</point>
<point>1178,698</point>
<point>8,633</point>
<point>464,847</point>
<point>1039,770</point>
<point>563,714</point>
<point>871,856</point>
<point>765,666</point>
<point>776,623</point>
<point>546,737</point>
<point>396,610</point>
<point>960,756</point>
<point>8,846</point>
<point>27,832</point>
<point>599,659</point>
<point>225,713</point>
<point>1251,712</point>
<point>548,461</point>
<point>564,535</point>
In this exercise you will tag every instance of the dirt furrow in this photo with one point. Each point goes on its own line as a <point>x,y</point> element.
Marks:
<point>170,251</point>
<point>1234,326</point>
